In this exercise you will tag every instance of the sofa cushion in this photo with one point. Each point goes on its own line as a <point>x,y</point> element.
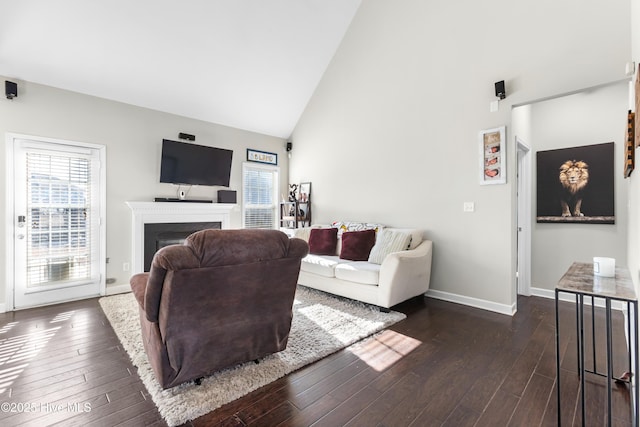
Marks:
<point>389,241</point>
<point>359,272</point>
<point>322,265</point>
<point>323,241</point>
<point>356,245</point>
<point>345,226</point>
<point>416,235</point>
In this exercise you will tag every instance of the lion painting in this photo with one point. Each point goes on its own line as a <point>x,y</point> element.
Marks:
<point>574,176</point>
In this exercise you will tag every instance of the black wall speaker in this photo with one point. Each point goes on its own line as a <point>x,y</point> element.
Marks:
<point>226,196</point>
<point>500,91</point>
<point>289,146</point>
<point>186,136</point>
<point>10,89</point>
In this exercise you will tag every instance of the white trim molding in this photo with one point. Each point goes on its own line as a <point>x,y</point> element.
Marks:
<point>509,310</point>
<point>118,289</point>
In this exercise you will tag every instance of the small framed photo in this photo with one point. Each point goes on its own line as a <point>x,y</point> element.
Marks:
<point>493,166</point>
<point>304,192</point>
<point>262,157</point>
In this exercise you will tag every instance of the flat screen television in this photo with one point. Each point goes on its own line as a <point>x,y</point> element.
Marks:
<point>192,164</point>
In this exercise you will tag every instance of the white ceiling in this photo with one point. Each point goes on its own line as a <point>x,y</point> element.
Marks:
<point>249,64</point>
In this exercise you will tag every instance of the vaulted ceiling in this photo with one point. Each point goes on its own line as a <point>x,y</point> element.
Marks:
<point>249,64</point>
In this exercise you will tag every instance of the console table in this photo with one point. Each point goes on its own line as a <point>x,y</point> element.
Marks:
<point>580,281</point>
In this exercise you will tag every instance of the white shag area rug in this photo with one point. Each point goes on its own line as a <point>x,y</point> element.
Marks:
<point>321,325</point>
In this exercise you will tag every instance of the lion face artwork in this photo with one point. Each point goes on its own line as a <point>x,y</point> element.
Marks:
<point>574,177</point>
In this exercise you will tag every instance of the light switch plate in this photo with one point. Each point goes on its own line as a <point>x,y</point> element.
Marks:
<point>469,207</point>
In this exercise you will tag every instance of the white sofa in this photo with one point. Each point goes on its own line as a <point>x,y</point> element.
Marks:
<point>401,275</point>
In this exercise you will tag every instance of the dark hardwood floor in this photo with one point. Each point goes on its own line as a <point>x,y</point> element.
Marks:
<point>446,364</point>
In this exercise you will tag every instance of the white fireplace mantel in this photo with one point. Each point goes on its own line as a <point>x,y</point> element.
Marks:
<point>167,212</point>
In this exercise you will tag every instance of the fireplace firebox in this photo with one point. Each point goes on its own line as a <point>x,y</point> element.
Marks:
<point>157,236</point>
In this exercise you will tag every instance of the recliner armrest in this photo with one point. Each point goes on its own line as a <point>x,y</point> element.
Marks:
<point>298,248</point>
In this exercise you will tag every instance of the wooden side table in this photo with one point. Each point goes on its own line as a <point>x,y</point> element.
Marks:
<point>580,281</point>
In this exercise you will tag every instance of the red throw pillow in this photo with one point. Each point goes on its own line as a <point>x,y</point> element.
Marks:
<point>356,245</point>
<point>323,241</point>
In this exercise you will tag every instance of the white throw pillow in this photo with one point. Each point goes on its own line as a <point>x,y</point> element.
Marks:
<point>389,241</point>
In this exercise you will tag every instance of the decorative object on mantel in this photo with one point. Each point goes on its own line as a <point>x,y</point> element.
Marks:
<point>576,185</point>
<point>262,157</point>
<point>321,325</point>
<point>493,166</point>
<point>629,152</point>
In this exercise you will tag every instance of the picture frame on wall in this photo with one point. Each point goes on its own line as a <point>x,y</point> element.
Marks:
<point>304,192</point>
<point>576,185</point>
<point>493,166</point>
<point>630,149</point>
<point>262,157</point>
<point>637,107</point>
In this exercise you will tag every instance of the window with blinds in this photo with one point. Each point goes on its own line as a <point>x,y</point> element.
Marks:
<point>58,223</point>
<point>259,185</point>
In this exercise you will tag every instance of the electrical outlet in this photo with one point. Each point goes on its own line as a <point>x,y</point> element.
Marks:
<point>469,207</point>
<point>125,266</point>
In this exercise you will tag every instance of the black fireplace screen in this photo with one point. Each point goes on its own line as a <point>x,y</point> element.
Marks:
<point>157,236</point>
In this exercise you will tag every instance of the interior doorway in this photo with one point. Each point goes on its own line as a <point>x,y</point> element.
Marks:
<point>523,232</point>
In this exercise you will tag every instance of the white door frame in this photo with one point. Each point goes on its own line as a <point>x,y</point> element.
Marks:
<point>524,186</point>
<point>9,299</point>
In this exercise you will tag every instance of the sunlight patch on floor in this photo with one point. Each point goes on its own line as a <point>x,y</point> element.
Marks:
<point>16,352</point>
<point>383,350</point>
<point>6,328</point>
<point>337,323</point>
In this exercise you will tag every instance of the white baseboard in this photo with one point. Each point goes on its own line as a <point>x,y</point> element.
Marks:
<point>473,302</point>
<point>564,296</point>
<point>110,290</point>
<point>118,289</point>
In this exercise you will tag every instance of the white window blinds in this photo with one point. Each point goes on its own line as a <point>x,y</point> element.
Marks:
<point>259,185</point>
<point>59,216</point>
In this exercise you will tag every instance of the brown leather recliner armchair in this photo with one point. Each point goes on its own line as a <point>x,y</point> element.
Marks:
<point>222,297</point>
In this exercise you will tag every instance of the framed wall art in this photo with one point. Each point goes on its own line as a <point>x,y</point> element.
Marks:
<point>576,185</point>
<point>637,106</point>
<point>262,157</point>
<point>304,192</point>
<point>629,149</point>
<point>493,167</point>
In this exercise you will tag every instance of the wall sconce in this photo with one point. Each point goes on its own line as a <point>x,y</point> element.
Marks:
<point>289,147</point>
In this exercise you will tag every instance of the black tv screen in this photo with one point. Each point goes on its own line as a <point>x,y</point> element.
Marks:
<point>192,164</point>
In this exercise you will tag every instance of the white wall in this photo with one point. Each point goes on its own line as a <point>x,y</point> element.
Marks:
<point>133,138</point>
<point>391,133</point>
<point>591,117</point>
